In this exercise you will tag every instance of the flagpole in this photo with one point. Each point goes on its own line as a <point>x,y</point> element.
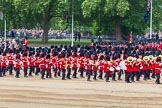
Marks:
<point>72,28</point>
<point>151,21</point>
<point>5,33</point>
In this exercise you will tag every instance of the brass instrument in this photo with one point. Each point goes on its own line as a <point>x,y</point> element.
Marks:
<point>151,58</point>
<point>146,58</point>
<point>130,59</point>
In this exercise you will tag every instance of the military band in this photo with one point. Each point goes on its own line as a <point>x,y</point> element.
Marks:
<point>93,62</point>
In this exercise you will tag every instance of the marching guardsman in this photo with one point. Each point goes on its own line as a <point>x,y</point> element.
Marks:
<point>25,64</point>
<point>157,70</point>
<point>75,67</point>
<point>101,68</point>
<point>128,69</point>
<point>42,66</point>
<point>145,67</point>
<point>10,62</point>
<point>54,64</point>
<point>36,63</point>
<point>48,67</point>
<point>62,66</point>
<point>0,67</point>
<point>69,66</point>
<point>134,69</point>
<point>138,69</point>
<point>31,64</point>
<point>17,66</point>
<point>81,67</point>
<point>94,69</point>
<point>89,69</point>
<point>3,64</point>
<point>107,70</point>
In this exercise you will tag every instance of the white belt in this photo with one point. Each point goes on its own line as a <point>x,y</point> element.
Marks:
<point>157,68</point>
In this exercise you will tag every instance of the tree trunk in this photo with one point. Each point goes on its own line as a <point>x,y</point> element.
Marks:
<point>46,27</point>
<point>118,30</point>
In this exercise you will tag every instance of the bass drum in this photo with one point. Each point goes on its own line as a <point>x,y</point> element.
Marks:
<point>118,68</point>
<point>112,69</point>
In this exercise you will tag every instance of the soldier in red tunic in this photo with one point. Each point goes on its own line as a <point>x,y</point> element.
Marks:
<point>36,63</point>
<point>3,64</point>
<point>62,64</point>
<point>31,63</point>
<point>17,66</point>
<point>101,67</point>
<point>81,67</point>
<point>89,70</point>
<point>74,62</point>
<point>95,69</point>
<point>48,67</point>
<point>25,64</point>
<point>157,70</point>
<point>10,62</point>
<point>68,66</point>
<point>42,66</point>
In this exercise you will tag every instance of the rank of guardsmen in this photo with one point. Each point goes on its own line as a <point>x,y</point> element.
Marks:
<point>115,61</point>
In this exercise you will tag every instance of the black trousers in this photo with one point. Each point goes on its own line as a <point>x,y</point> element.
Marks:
<point>10,67</point>
<point>55,71</point>
<point>59,71</point>
<point>81,72</point>
<point>37,70</point>
<point>31,70</point>
<point>153,74</point>
<point>25,71</point>
<point>119,74</point>
<point>132,75</point>
<point>157,78</point>
<point>100,74</point>
<point>42,73</point>
<point>94,75</point>
<point>89,72</point>
<point>17,72</point>
<point>138,75</point>
<point>63,74</point>
<point>114,76</point>
<point>0,71</point>
<point>48,75</point>
<point>3,71</point>
<point>75,73</point>
<point>127,77</point>
<point>107,75</point>
<point>68,73</point>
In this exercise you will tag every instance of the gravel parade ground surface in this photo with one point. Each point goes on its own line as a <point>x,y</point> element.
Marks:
<point>32,92</point>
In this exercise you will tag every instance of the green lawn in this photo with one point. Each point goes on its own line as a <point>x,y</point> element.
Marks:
<point>63,42</point>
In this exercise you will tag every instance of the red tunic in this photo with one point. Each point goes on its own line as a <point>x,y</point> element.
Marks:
<point>25,62</point>
<point>42,64</point>
<point>3,62</point>
<point>31,61</point>
<point>157,68</point>
<point>10,59</point>
<point>48,65</point>
<point>17,64</point>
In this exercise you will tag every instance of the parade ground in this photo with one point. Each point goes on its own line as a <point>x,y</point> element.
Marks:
<point>33,92</point>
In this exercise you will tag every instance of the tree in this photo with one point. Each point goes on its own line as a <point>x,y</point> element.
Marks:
<point>117,9</point>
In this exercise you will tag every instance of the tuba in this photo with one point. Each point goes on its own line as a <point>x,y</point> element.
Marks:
<point>145,58</point>
<point>130,59</point>
<point>151,58</point>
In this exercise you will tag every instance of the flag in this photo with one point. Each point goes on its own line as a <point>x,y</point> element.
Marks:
<point>147,14</point>
<point>130,38</point>
<point>1,15</point>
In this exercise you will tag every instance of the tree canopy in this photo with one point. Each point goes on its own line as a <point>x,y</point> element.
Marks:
<point>117,17</point>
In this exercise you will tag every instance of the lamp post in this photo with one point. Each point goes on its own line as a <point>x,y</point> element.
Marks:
<point>72,23</point>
